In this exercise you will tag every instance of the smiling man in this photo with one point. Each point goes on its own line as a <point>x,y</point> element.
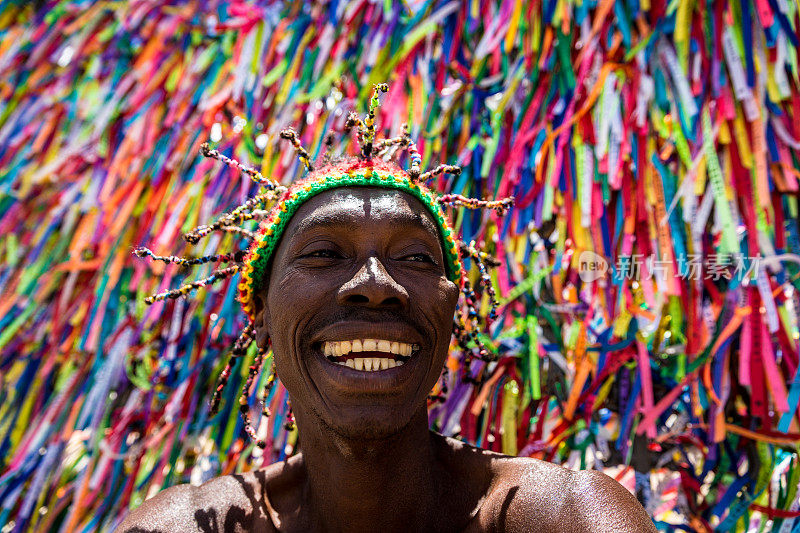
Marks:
<point>354,281</point>
<point>358,305</point>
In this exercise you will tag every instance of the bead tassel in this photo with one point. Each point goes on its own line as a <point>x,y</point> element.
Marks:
<point>302,154</point>
<point>189,287</point>
<point>191,261</point>
<point>368,134</point>
<point>207,151</point>
<point>239,349</point>
<point>244,406</point>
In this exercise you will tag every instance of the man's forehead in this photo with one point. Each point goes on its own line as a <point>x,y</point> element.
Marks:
<point>352,206</point>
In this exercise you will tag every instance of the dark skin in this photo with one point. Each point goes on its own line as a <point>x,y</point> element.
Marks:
<point>368,263</point>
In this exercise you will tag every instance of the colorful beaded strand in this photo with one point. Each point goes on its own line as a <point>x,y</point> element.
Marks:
<point>237,257</point>
<point>354,122</point>
<point>239,349</point>
<point>189,287</point>
<point>235,216</point>
<point>482,259</point>
<point>500,206</point>
<point>441,169</point>
<point>256,176</point>
<point>369,122</point>
<point>302,154</point>
<point>267,390</point>
<point>244,406</point>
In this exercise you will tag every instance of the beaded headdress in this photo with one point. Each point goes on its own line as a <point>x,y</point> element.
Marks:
<point>370,169</point>
<point>350,174</point>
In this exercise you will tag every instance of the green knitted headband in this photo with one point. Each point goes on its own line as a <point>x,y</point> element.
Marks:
<point>377,174</point>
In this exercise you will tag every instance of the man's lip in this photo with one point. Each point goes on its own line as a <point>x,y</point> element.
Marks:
<point>353,383</point>
<point>348,331</point>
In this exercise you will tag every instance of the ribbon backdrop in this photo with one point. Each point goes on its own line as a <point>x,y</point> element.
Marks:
<point>649,271</point>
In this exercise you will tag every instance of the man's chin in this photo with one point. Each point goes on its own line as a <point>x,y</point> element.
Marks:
<point>369,423</point>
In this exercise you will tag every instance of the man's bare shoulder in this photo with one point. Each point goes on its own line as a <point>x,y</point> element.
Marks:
<point>532,495</point>
<point>221,504</point>
<point>604,505</point>
<point>529,495</point>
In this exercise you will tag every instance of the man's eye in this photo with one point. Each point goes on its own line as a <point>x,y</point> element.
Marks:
<point>421,257</point>
<point>323,254</point>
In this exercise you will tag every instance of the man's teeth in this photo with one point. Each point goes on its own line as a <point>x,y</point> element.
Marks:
<point>370,364</point>
<point>340,348</point>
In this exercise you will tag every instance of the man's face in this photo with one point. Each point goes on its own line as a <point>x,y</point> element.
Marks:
<point>359,281</point>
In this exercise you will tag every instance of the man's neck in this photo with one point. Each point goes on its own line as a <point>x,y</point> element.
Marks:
<point>381,485</point>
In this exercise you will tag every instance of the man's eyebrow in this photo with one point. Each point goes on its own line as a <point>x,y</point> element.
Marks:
<point>417,221</point>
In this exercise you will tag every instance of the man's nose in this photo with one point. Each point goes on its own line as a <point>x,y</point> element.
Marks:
<point>372,286</point>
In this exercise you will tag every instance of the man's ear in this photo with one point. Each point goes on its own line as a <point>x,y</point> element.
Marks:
<point>261,321</point>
